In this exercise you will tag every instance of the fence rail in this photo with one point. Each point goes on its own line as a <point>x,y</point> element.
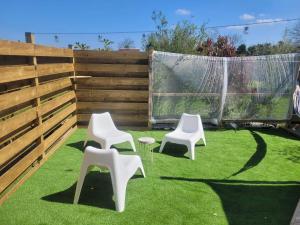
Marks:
<point>37,106</point>
<point>112,81</point>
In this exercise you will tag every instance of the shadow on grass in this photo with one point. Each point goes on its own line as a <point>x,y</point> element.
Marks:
<point>253,202</point>
<point>175,150</point>
<point>79,145</point>
<point>257,157</point>
<point>96,191</point>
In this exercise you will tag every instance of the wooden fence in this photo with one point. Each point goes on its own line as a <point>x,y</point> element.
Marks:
<point>37,107</point>
<point>116,82</point>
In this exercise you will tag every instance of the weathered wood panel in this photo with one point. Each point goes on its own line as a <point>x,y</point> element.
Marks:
<point>25,120</point>
<point>112,96</point>
<point>15,122</point>
<point>58,117</point>
<point>54,68</point>
<point>56,102</point>
<point>117,107</point>
<point>113,83</point>
<point>112,68</point>
<point>109,54</point>
<point>15,73</point>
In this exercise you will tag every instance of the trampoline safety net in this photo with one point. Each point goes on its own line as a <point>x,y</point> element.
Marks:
<point>222,88</point>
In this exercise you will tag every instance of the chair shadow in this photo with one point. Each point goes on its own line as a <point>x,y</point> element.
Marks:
<point>96,191</point>
<point>175,150</point>
<point>258,155</point>
<point>79,145</point>
<point>253,202</point>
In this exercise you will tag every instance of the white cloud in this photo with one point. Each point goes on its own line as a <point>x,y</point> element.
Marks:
<point>236,27</point>
<point>268,20</point>
<point>183,12</point>
<point>247,16</point>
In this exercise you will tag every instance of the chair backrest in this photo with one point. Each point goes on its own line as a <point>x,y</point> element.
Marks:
<point>190,123</point>
<point>101,122</point>
<point>108,157</point>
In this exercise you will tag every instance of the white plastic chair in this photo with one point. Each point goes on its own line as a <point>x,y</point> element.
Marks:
<point>103,130</point>
<point>188,132</point>
<point>121,167</point>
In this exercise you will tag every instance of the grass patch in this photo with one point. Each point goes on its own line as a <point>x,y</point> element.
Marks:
<point>244,177</point>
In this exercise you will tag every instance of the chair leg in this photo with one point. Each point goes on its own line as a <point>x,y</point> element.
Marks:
<point>162,145</point>
<point>191,148</point>
<point>204,141</point>
<point>132,144</point>
<point>85,142</point>
<point>84,169</point>
<point>119,188</point>
<point>141,167</point>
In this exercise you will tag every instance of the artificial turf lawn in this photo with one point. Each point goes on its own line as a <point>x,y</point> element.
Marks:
<point>244,177</point>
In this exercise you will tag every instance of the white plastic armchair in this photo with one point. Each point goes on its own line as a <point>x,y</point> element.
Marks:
<point>121,167</point>
<point>188,132</point>
<point>103,130</point>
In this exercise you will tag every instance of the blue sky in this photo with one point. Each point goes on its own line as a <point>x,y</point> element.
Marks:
<point>16,17</point>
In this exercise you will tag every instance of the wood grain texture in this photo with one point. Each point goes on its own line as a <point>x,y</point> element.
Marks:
<point>17,121</point>
<point>15,147</point>
<point>16,73</point>
<point>57,134</point>
<point>109,54</point>
<point>112,68</point>
<point>54,68</point>
<point>112,83</point>
<point>112,96</point>
<point>57,102</point>
<point>121,107</point>
<point>58,117</point>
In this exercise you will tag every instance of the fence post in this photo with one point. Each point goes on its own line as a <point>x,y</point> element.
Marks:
<point>150,53</point>
<point>29,37</point>
<point>224,88</point>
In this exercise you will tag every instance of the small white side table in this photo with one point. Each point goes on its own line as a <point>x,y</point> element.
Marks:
<point>146,142</point>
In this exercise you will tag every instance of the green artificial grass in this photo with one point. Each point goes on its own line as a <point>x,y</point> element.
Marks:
<point>244,177</point>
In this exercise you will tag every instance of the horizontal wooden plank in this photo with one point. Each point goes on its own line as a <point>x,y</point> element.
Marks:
<point>111,68</point>
<point>15,147</point>
<point>16,48</point>
<point>112,96</point>
<point>54,68</point>
<point>27,49</point>
<point>41,50</point>
<point>110,54</point>
<point>57,134</point>
<point>15,73</point>
<point>53,86</point>
<point>112,83</point>
<point>109,74</point>
<point>13,173</point>
<point>17,121</point>
<point>51,122</point>
<point>120,119</point>
<point>112,107</point>
<point>17,97</point>
<point>56,102</point>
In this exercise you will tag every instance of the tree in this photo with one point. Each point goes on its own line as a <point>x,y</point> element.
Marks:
<point>81,46</point>
<point>294,34</point>
<point>126,43</point>
<point>242,50</point>
<point>183,38</point>
<point>106,43</point>
<point>221,47</point>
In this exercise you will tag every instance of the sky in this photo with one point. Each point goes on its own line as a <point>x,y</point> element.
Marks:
<point>63,16</point>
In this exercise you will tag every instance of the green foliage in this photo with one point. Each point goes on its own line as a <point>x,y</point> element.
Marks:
<point>126,43</point>
<point>106,43</point>
<point>267,193</point>
<point>183,38</point>
<point>81,46</point>
<point>282,47</point>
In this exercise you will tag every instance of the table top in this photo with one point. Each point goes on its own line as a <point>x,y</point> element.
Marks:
<point>146,140</point>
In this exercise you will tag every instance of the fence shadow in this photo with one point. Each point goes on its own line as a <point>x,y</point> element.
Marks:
<point>257,157</point>
<point>253,202</point>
